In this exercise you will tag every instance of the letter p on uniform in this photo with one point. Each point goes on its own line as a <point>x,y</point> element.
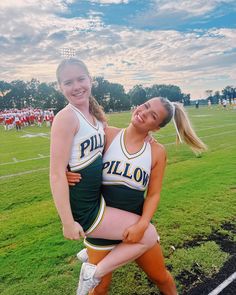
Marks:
<point>84,145</point>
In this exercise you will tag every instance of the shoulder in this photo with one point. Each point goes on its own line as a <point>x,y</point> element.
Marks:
<point>111,131</point>
<point>66,118</point>
<point>159,154</point>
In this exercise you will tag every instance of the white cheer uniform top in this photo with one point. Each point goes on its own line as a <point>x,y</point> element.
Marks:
<point>88,143</point>
<point>122,168</point>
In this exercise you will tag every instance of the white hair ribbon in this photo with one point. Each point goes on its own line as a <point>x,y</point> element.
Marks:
<point>176,128</point>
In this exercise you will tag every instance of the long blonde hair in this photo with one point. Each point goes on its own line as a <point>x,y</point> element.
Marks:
<point>94,108</point>
<point>183,124</point>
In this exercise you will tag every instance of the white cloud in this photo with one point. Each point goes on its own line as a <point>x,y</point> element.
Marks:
<point>191,8</point>
<point>39,5</point>
<point>171,13</point>
<point>110,1</point>
<point>31,39</point>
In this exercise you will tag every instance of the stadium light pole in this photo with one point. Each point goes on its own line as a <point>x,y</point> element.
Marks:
<point>67,52</point>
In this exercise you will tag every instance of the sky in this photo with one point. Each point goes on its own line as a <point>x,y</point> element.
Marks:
<point>191,44</point>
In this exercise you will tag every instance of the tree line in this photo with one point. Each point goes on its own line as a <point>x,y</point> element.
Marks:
<point>112,96</point>
<point>229,93</point>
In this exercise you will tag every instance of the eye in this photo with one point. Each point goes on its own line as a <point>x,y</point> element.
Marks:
<point>146,106</point>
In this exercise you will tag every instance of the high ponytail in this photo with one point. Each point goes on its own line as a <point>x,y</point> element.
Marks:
<point>186,130</point>
<point>183,126</point>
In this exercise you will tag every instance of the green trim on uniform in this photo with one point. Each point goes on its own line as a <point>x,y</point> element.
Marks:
<point>124,150</point>
<point>98,218</point>
<point>100,244</point>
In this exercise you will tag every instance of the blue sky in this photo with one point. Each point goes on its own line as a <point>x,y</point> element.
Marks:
<point>191,44</point>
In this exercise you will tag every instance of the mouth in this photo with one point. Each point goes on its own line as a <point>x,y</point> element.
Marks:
<point>139,118</point>
<point>78,94</point>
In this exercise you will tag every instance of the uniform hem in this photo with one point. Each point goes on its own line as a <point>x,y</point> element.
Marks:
<point>98,218</point>
<point>97,247</point>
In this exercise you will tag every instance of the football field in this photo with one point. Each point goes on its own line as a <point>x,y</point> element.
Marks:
<point>195,218</point>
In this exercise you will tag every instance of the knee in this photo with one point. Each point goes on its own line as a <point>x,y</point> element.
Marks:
<point>151,236</point>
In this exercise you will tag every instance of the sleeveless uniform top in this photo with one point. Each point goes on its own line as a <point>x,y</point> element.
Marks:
<point>88,143</point>
<point>86,158</point>
<point>126,176</point>
<point>125,179</point>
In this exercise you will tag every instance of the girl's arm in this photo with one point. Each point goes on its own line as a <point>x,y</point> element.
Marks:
<point>110,134</point>
<point>135,232</point>
<point>64,127</point>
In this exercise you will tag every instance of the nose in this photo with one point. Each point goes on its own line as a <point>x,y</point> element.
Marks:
<point>76,85</point>
<point>144,113</point>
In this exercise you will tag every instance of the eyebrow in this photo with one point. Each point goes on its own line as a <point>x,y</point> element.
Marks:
<point>149,106</point>
<point>65,81</point>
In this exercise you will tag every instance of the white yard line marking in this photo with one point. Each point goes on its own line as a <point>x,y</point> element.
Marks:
<point>222,133</point>
<point>22,173</point>
<point>197,130</point>
<point>34,134</point>
<point>216,134</point>
<point>19,161</point>
<point>218,289</point>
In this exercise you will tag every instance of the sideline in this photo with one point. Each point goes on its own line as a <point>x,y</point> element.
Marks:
<point>218,289</point>
<point>22,173</point>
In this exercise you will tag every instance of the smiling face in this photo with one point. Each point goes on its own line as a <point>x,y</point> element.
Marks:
<point>149,115</point>
<point>75,84</point>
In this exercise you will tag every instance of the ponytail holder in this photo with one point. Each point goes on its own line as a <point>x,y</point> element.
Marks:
<point>176,128</point>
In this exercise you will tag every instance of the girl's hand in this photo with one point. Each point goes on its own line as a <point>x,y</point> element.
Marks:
<point>73,231</point>
<point>73,178</point>
<point>134,233</point>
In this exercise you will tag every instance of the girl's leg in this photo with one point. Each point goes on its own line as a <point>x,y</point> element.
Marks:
<point>112,227</point>
<point>94,257</point>
<point>152,263</point>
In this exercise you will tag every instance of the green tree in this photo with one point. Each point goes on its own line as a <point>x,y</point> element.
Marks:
<point>229,92</point>
<point>18,95</point>
<point>137,95</point>
<point>4,89</point>
<point>172,92</point>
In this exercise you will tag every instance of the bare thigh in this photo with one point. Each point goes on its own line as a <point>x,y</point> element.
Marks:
<point>115,222</point>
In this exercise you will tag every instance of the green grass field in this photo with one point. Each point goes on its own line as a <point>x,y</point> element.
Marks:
<point>198,199</point>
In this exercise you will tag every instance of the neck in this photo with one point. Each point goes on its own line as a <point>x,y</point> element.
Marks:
<point>135,135</point>
<point>84,108</point>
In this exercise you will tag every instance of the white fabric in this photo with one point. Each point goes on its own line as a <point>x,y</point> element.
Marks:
<point>122,168</point>
<point>88,142</point>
